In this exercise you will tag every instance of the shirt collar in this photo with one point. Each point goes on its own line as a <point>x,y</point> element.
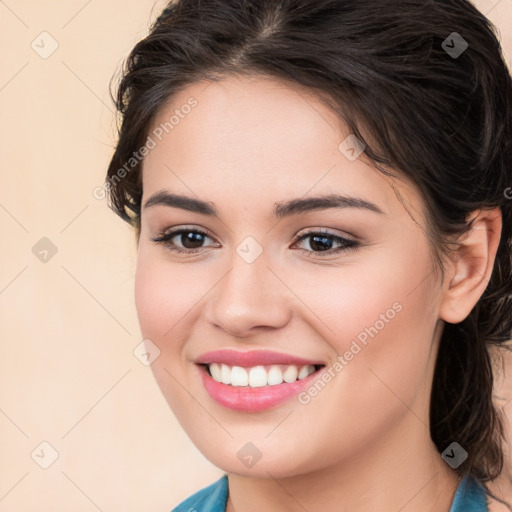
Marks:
<point>470,496</point>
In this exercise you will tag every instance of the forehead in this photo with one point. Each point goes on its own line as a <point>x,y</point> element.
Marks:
<point>246,121</point>
<point>251,136</point>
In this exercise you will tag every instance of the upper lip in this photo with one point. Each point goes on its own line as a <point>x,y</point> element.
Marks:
<point>251,358</point>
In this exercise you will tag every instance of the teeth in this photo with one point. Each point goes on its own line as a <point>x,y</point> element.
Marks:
<point>225,374</point>
<point>304,372</point>
<point>274,376</point>
<point>239,376</point>
<point>216,372</point>
<point>258,376</point>
<point>291,373</point>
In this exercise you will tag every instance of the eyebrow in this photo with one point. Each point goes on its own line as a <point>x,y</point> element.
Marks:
<point>281,209</point>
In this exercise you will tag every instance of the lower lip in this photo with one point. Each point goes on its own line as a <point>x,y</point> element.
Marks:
<point>245,398</point>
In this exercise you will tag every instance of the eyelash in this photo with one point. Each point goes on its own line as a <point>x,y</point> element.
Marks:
<point>346,244</point>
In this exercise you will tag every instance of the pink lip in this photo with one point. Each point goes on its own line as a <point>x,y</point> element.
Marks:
<point>249,399</point>
<point>251,358</point>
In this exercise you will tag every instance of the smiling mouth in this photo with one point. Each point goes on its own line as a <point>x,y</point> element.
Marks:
<point>260,375</point>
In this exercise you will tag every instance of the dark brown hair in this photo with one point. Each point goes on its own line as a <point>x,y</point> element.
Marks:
<point>388,69</point>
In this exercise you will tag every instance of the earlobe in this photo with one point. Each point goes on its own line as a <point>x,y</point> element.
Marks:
<point>471,266</point>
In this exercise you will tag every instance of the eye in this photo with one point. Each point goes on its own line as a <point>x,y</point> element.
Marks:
<point>191,239</point>
<point>322,241</point>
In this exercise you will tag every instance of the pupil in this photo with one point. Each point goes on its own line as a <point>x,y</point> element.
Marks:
<point>188,240</point>
<point>191,238</point>
<point>323,240</point>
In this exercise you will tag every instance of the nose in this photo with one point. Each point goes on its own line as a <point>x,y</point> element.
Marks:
<point>250,298</point>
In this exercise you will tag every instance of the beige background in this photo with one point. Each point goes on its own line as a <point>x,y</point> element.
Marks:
<point>68,375</point>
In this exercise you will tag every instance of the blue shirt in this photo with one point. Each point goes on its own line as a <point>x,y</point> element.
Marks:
<point>469,497</point>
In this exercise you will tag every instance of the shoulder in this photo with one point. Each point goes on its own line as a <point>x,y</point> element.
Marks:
<point>209,499</point>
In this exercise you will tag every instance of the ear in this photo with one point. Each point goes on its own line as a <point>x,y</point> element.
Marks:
<point>470,266</point>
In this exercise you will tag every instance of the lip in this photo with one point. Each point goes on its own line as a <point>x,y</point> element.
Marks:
<point>246,398</point>
<point>252,358</point>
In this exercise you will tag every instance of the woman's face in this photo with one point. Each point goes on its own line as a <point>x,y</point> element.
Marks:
<point>364,305</point>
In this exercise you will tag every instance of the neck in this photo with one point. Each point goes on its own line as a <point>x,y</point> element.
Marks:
<point>401,472</point>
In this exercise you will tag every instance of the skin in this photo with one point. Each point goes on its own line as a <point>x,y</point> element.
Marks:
<point>363,442</point>
<point>502,486</point>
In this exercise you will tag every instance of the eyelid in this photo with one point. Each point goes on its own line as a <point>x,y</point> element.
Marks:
<point>346,243</point>
<point>185,227</point>
<point>169,233</point>
<point>327,231</point>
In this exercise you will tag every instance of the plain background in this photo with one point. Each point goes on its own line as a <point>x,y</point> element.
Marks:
<point>68,324</point>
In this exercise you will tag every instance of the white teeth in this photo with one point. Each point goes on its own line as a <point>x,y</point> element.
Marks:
<point>216,371</point>
<point>291,373</point>
<point>259,376</point>
<point>275,376</point>
<point>225,374</point>
<point>304,372</point>
<point>239,376</point>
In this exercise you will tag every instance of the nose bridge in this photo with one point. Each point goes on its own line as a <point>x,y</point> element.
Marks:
<point>249,295</point>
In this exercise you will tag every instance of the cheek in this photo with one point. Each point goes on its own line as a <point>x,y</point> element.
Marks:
<point>164,295</point>
<point>151,301</point>
<point>389,290</point>
<point>376,387</point>
<point>161,309</point>
<point>381,320</point>
<point>384,335</point>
